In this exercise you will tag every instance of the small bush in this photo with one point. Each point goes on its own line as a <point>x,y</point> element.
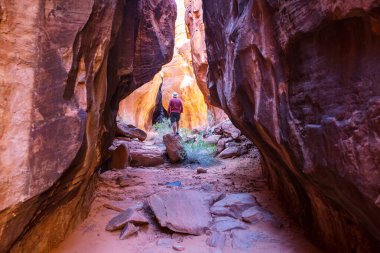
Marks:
<point>162,128</point>
<point>199,152</point>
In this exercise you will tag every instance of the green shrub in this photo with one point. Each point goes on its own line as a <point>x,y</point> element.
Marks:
<point>199,152</point>
<point>163,127</point>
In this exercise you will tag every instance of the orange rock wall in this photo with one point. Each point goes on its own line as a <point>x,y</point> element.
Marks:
<point>178,76</point>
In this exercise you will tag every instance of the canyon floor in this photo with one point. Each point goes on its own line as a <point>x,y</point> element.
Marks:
<point>235,175</point>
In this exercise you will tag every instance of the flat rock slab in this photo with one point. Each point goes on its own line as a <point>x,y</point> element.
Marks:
<point>129,215</point>
<point>243,239</point>
<point>223,224</point>
<point>233,205</point>
<point>183,211</point>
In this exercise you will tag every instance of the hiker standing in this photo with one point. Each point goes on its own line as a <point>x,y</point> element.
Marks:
<point>175,110</point>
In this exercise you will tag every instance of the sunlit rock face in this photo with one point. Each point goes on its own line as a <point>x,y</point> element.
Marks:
<point>64,67</point>
<point>138,108</point>
<point>177,76</point>
<point>301,80</point>
<point>196,32</point>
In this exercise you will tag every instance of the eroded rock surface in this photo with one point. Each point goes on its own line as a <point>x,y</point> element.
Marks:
<point>64,67</point>
<point>183,211</point>
<point>129,131</point>
<point>174,148</point>
<point>301,80</point>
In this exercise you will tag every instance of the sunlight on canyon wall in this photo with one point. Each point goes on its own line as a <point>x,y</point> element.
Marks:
<point>176,76</point>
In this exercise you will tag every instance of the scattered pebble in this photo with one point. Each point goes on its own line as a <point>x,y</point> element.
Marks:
<point>201,170</point>
<point>178,247</point>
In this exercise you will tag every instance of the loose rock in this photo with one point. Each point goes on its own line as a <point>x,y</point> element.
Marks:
<point>216,239</point>
<point>129,215</point>
<point>129,131</point>
<point>233,205</point>
<point>183,211</point>
<point>128,230</point>
<point>225,223</point>
<point>174,148</point>
<point>178,247</point>
<point>229,153</point>
<point>120,157</point>
<point>201,170</point>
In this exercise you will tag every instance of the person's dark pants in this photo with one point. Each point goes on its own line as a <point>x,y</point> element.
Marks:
<point>175,117</point>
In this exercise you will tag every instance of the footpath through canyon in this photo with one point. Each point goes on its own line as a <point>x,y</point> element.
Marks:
<point>208,205</point>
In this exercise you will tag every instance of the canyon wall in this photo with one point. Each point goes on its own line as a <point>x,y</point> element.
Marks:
<point>64,67</point>
<point>301,80</point>
<point>176,76</point>
<point>196,33</point>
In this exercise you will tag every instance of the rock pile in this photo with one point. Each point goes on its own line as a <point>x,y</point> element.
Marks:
<point>229,140</point>
<point>196,213</point>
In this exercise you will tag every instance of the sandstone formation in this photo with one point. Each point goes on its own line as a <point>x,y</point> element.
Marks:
<point>129,131</point>
<point>138,108</point>
<point>64,67</point>
<point>301,80</point>
<point>183,211</point>
<point>181,75</point>
<point>174,148</point>
<point>196,32</point>
<point>120,157</point>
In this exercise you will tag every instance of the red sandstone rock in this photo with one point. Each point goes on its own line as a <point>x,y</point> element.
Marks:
<point>301,80</point>
<point>120,157</point>
<point>129,131</point>
<point>174,148</point>
<point>196,32</point>
<point>64,67</point>
<point>143,154</point>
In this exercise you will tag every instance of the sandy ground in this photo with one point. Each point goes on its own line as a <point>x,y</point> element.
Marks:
<point>229,176</point>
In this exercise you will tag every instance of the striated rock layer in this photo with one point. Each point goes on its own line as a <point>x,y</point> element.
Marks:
<point>196,32</point>
<point>64,67</point>
<point>301,79</point>
<point>185,74</point>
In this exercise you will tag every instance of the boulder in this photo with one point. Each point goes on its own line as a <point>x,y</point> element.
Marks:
<point>128,230</point>
<point>120,157</point>
<point>229,130</point>
<point>212,139</point>
<point>174,148</point>
<point>183,211</point>
<point>129,131</point>
<point>230,152</point>
<point>143,154</point>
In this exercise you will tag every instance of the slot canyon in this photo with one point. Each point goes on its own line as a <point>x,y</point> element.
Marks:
<point>278,147</point>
